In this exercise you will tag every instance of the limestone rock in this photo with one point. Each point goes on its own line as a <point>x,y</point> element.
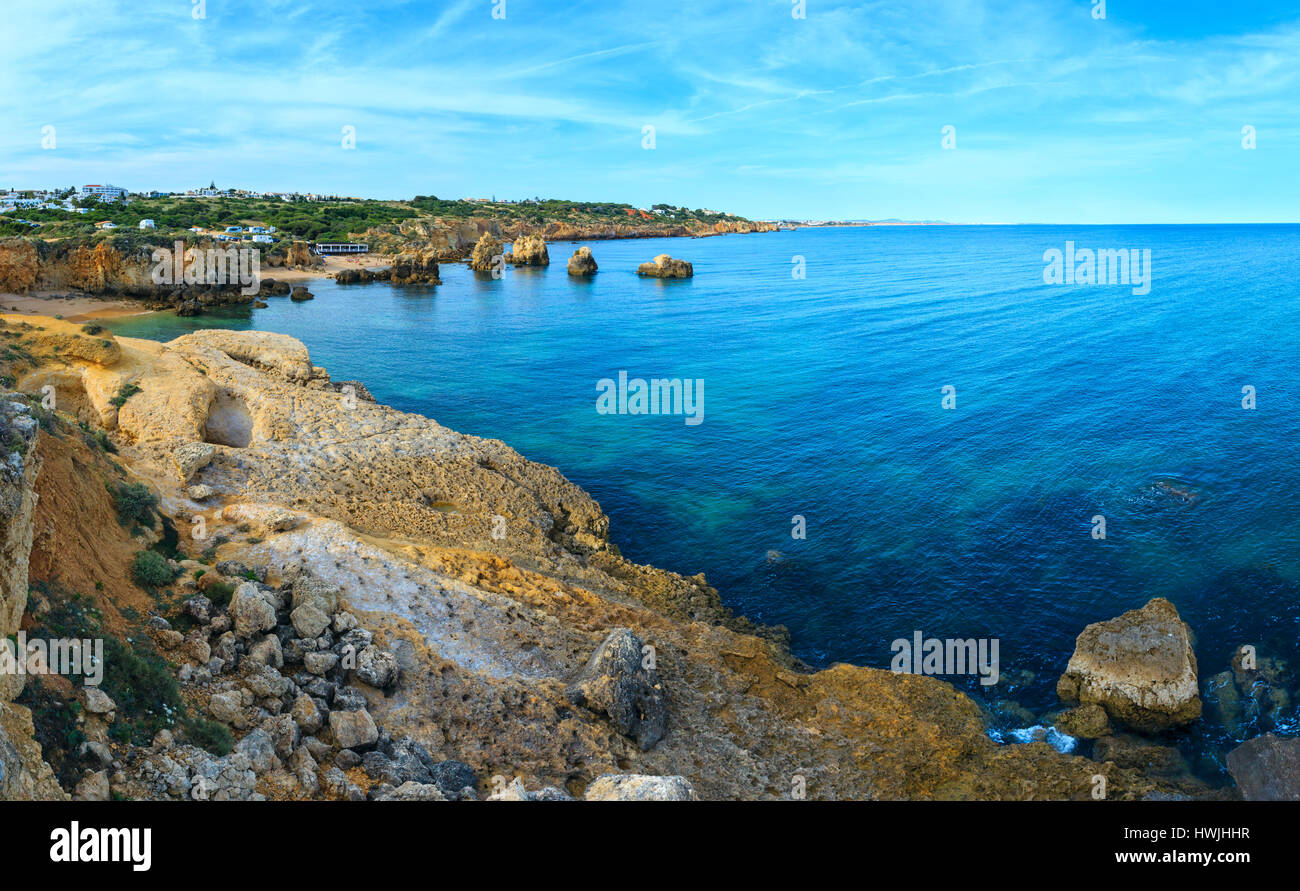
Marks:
<point>1267,768</point>
<point>201,492</point>
<point>483,257</point>
<point>377,667</point>
<point>353,730</point>
<point>250,611</point>
<point>309,620</point>
<point>1085,722</point>
<point>94,787</point>
<point>1139,667</point>
<point>528,250</point>
<point>664,266</point>
<point>98,702</point>
<point>582,262</point>
<point>613,682</point>
<point>192,457</point>
<point>638,787</point>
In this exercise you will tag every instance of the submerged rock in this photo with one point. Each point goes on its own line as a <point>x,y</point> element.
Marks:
<point>1267,768</point>
<point>664,266</point>
<point>1086,722</point>
<point>1139,667</point>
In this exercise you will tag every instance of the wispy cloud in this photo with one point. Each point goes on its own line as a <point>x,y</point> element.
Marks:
<point>1056,115</point>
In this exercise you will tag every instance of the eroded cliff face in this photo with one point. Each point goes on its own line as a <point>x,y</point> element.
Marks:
<point>454,239</point>
<point>122,269</point>
<point>24,774</point>
<point>483,584</point>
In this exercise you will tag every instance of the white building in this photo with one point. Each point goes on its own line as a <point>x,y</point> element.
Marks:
<point>147,224</point>
<point>103,192</point>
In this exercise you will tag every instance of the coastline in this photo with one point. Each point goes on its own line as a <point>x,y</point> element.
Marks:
<point>396,515</point>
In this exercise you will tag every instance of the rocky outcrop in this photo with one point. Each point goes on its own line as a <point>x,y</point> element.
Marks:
<point>582,262</point>
<point>19,469</point>
<point>528,250</point>
<point>469,601</point>
<point>1139,667</point>
<point>415,267</point>
<point>484,257</point>
<point>118,267</point>
<point>617,682</point>
<point>1267,768</point>
<point>664,266</point>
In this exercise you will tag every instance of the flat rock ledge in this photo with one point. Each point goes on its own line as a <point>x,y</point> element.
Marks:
<point>1139,667</point>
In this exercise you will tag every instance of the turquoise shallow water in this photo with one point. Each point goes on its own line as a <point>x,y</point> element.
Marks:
<point>823,399</point>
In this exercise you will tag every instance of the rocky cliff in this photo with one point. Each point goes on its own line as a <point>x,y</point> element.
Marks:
<point>123,267</point>
<point>364,603</point>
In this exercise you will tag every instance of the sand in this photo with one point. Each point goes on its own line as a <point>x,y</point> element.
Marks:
<point>83,307</point>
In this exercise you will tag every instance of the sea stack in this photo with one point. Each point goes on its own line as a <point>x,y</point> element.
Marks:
<point>529,250</point>
<point>582,262</point>
<point>664,266</point>
<point>483,256</point>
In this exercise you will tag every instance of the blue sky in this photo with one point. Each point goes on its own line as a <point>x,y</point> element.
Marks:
<point>1059,117</point>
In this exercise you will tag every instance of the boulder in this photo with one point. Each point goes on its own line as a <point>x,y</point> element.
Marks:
<point>354,729</point>
<point>1140,754</point>
<point>300,293</point>
<point>582,262</point>
<point>306,714</point>
<point>1085,722</point>
<point>201,492</point>
<point>377,667</point>
<point>1267,768</point>
<point>309,620</point>
<point>639,787</point>
<point>94,787</point>
<point>1139,667</point>
<point>98,702</point>
<point>192,457</point>
<point>259,748</point>
<point>614,682</point>
<point>664,266</point>
<point>250,611</point>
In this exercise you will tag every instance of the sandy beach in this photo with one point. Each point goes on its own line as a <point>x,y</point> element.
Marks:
<point>79,307</point>
<point>76,308</point>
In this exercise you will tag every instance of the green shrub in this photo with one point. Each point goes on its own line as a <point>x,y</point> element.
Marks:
<point>209,735</point>
<point>150,569</point>
<point>135,503</point>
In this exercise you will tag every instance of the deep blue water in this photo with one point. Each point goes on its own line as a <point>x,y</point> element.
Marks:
<point>823,398</point>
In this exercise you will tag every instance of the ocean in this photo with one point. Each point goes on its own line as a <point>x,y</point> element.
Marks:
<point>824,354</point>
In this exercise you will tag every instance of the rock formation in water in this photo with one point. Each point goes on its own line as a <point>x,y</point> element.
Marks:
<point>664,266</point>
<point>582,262</point>
<point>486,254</point>
<point>528,250</point>
<point>1139,667</point>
